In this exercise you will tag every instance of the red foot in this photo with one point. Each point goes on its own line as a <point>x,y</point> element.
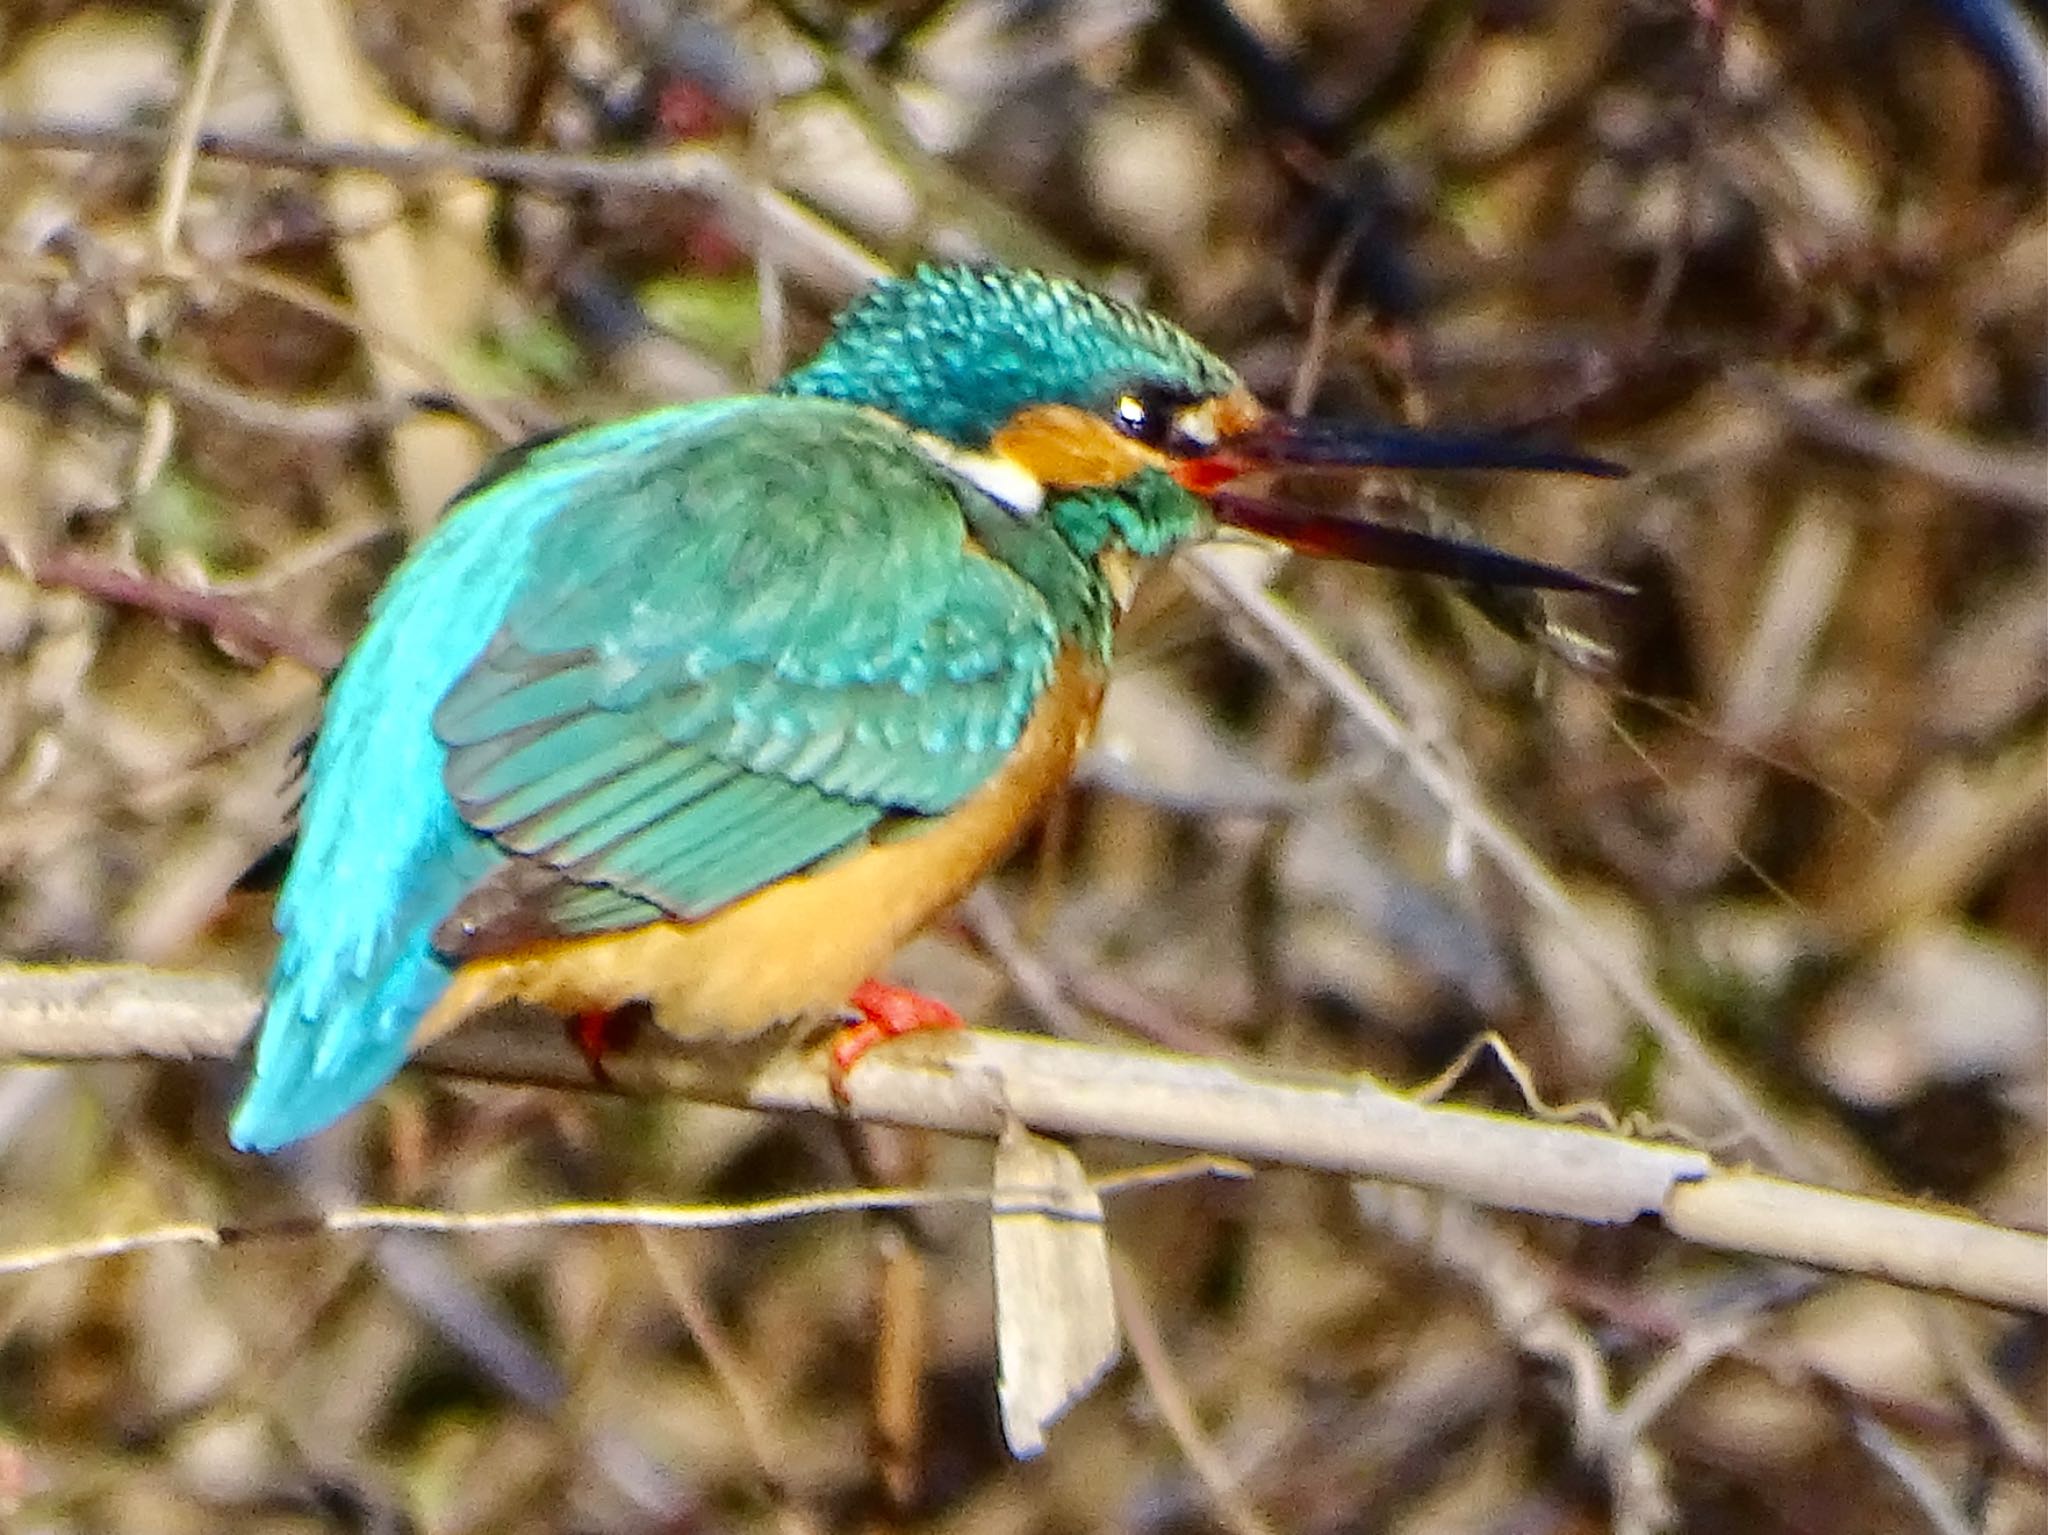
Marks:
<point>598,1032</point>
<point>883,1013</point>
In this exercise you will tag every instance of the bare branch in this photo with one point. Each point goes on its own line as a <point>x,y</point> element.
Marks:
<point>225,617</point>
<point>802,244</point>
<point>968,1084</point>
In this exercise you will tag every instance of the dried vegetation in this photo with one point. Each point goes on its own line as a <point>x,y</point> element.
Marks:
<point>1789,261</point>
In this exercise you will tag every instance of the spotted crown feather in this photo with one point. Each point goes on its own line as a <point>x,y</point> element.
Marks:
<point>956,350</point>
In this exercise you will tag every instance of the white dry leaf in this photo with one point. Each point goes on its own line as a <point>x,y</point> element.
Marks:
<point>1056,1327</point>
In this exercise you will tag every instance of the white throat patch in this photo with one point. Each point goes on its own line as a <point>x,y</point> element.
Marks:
<point>1003,479</point>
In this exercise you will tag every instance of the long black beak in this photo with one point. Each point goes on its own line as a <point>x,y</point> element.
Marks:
<point>1278,443</point>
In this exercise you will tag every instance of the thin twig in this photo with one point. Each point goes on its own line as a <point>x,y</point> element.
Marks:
<point>1224,583</point>
<point>388,1220</point>
<point>1913,1475</point>
<point>806,247</point>
<point>1522,1296</point>
<point>722,1359</point>
<point>174,185</point>
<point>1227,1499</point>
<point>174,190</point>
<point>492,417</point>
<point>2010,476</point>
<point>225,617</point>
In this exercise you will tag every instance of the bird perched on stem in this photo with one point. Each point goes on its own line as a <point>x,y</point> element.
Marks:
<point>709,710</point>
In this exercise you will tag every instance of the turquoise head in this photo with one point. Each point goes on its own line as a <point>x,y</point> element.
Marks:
<point>1128,431</point>
<point>960,351</point>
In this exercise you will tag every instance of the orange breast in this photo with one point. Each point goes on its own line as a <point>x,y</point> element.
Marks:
<point>794,950</point>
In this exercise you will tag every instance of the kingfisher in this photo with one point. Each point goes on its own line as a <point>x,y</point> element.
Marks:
<point>706,712</point>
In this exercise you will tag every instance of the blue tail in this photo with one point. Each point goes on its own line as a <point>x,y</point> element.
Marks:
<point>382,859</point>
<point>382,855</point>
<point>319,1056</point>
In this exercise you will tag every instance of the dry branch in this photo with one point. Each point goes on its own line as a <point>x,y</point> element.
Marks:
<point>973,1083</point>
<point>223,615</point>
<point>800,242</point>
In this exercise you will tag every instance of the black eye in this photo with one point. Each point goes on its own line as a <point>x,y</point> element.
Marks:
<point>1150,413</point>
<point>1137,419</point>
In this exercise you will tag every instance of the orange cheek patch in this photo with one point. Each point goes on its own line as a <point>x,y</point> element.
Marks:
<point>1064,445</point>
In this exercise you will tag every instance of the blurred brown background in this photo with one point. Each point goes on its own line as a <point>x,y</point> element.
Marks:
<point>1788,261</point>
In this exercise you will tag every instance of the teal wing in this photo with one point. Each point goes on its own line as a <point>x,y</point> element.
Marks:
<point>739,661</point>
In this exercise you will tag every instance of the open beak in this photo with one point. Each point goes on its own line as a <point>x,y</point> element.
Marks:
<point>1271,443</point>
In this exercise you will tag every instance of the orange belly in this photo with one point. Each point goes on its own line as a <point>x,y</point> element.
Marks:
<point>794,950</point>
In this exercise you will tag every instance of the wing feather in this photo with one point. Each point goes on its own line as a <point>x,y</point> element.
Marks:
<point>757,643</point>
